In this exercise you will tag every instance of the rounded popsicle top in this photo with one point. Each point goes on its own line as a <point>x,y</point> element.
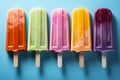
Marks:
<point>100,11</point>
<point>64,11</point>
<point>103,9</point>
<point>86,10</point>
<point>58,10</point>
<point>11,10</point>
<point>15,14</point>
<point>37,8</point>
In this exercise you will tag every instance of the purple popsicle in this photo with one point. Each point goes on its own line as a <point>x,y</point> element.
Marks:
<point>103,37</point>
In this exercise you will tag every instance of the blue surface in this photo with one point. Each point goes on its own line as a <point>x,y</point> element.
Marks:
<point>49,69</point>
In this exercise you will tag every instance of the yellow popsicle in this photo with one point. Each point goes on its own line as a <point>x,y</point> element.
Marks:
<point>81,33</point>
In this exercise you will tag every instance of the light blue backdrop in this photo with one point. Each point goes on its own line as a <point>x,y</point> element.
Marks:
<point>49,69</point>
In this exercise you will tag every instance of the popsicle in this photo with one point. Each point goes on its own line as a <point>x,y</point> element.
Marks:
<point>15,33</point>
<point>38,36</point>
<point>103,36</point>
<point>59,33</point>
<point>81,33</point>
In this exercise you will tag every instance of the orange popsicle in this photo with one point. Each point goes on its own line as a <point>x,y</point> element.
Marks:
<point>15,34</point>
<point>81,35</point>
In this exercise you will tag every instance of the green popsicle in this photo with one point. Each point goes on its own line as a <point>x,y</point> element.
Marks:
<point>38,36</point>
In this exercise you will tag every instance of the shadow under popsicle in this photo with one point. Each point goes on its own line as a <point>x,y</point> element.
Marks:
<point>45,57</point>
<point>113,57</point>
<point>90,59</point>
<point>67,58</point>
<point>71,58</point>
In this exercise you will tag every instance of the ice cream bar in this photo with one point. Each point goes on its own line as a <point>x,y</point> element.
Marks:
<point>37,36</point>
<point>59,33</point>
<point>103,38</point>
<point>81,33</point>
<point>16,33</point>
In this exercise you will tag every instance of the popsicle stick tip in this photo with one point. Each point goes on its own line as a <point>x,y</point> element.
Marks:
<point>81,66</point>
<point>104,67</point>
<point>37,59</point>
<point>59,60</point>
<point>37,66</point>
<point>104,60</point>
<point>16,66</point>
<point>60,66</point>
<point>81,59</point>
<point>16,60</point>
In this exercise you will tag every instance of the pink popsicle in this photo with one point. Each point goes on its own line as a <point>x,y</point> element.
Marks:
<point>59,33</point>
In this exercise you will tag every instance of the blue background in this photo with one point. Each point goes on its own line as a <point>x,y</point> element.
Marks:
<point>49,69</point>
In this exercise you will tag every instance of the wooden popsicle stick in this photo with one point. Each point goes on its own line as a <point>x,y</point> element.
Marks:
<point>104,60</point>
<point>81,59</point>
<point>37,59</point>
<point>59,59</point>
<point>15,59</point>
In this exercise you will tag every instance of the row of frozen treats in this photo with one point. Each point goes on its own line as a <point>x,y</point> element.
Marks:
<point>62,38</point>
